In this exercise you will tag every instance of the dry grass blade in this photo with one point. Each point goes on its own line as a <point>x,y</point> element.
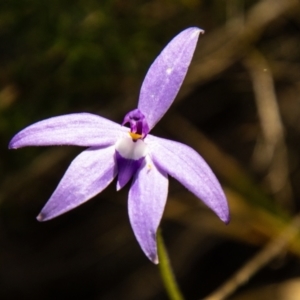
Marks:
<point>269,252</point>
<point>271,152</point>
<point>223,47</point>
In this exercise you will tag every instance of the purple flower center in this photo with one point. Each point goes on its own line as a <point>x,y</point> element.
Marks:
<point>138,125</point>
<point>131,151</point>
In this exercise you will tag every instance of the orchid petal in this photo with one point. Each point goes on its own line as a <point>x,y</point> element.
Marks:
<point>188,167</point>
<point>89,173</point>
<point>82,129</point>
<point>166,75</point>
<point>146,202</point>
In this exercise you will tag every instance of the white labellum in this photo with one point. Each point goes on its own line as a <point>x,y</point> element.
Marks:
<point>129,149</point>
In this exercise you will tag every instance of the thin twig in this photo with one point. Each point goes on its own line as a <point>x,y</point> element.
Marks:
<point>235,15</point>
<point>222,48</point>
<point>269,252</point>
<point>271,152</point>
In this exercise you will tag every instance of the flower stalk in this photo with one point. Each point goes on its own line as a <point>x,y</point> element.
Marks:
<point>166,271</point>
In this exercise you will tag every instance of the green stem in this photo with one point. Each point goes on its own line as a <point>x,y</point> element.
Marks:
<point>166,271</point>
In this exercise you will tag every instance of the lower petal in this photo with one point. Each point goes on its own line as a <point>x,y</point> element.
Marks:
<point>146,203</point>
<point>188,167</point>
<point>89,173</point>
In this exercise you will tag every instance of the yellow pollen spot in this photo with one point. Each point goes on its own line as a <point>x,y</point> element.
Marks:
<point>135,136</point>
<point>149,167</point>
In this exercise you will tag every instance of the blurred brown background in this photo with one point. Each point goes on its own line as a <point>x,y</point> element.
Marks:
<point>239,107</point>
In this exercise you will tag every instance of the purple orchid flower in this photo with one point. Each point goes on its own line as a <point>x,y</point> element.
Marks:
<point>131,154</point>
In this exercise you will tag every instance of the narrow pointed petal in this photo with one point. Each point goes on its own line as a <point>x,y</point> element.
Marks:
<point>166,75</point>
<point>146,203</point>
<point>188,167</point>
<point>89,173</point>
<point>82,129</point>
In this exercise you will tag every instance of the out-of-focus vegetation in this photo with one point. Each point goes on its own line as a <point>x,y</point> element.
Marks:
<point>239,107</point>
